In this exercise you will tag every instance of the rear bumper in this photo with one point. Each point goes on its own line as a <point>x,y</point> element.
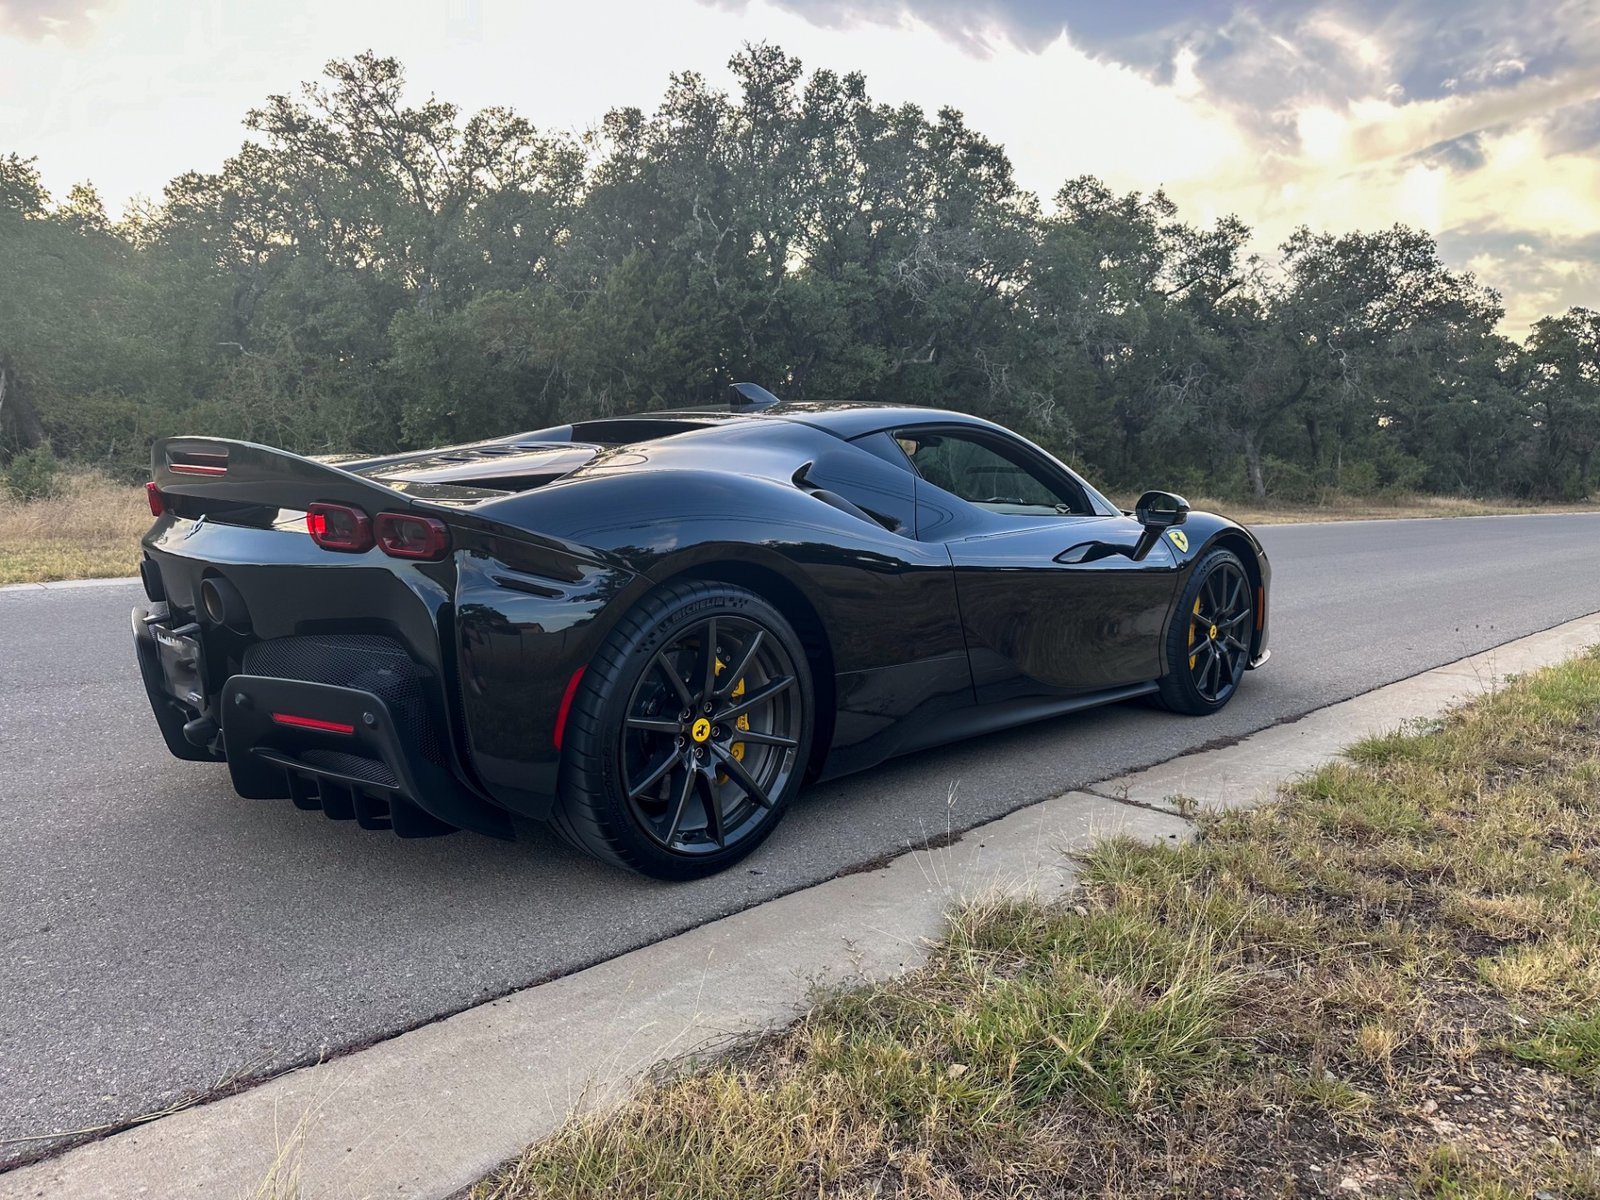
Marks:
<point>492,637</point>
<point>356,754</point>
<point>342,750</point>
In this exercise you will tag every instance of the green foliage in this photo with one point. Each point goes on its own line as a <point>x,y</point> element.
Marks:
<point>1570,1043</point>
<point>32,475</point>
<point>368,273</point>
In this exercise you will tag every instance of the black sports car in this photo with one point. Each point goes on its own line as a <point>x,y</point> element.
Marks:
<point>651,630</point>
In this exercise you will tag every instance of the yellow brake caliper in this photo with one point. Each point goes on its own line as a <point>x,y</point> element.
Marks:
<point>737,749</point>
<point>1192,654</point>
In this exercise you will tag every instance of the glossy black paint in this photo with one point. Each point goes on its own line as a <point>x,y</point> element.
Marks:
<point>923,616</point>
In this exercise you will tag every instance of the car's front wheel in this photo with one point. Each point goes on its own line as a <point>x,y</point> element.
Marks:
<point>1208,642</point>
<point>689,733</point>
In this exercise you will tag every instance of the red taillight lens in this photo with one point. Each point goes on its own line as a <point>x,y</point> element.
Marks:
<point>312,723</point>
<point>405,536</point>
<point>339,527</point>
<point>158,502</point>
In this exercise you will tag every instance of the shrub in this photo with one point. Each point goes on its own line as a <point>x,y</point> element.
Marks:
<point>32,474</point>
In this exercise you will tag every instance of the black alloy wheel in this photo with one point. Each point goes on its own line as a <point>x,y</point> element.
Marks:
<point>1208,644</point>
<point>689,734</point>
<point>712,730</point>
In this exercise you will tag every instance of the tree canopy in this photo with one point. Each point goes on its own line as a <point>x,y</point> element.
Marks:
<point>368,274</point>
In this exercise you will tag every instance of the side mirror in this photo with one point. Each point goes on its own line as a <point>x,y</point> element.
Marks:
<point>1157,512</point>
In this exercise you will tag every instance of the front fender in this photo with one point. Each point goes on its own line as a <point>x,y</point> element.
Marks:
<point>1204,532</point>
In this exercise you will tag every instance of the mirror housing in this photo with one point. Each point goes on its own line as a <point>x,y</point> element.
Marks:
<point>1157,512</point>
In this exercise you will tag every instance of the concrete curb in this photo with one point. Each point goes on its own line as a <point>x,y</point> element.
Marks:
<point>64,584</point>
<point>430,1111</point>
<point>1251,771</point>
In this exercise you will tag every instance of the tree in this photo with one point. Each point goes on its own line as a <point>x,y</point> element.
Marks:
<point>371,271</point>
<point>1564,391</point>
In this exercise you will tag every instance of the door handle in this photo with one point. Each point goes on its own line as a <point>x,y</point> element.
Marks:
<point>1088,552</point>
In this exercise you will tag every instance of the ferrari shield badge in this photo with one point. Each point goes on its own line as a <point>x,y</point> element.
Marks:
<point>1180,539</point>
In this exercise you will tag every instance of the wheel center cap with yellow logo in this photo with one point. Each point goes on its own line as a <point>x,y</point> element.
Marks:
<point>1213,631</point>
<point>701,730</point>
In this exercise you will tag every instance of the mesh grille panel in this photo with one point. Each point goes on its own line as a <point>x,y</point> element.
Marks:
<point>370,662</point>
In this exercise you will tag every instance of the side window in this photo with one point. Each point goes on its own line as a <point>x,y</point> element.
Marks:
<point>989,474</point>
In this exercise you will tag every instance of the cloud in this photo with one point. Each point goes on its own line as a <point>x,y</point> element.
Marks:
<point>1265,59</point>
<point>1575,129</point>
<point>38,19</point>
<point>1474,119</point>
<point>1030,24</point>
<point>1538,274</point>
<point>1464,153</point>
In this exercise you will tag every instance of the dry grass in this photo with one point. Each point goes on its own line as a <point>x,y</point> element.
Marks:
<point>1387,983</point>
<point>89,529</point>
<point>1369,508</point>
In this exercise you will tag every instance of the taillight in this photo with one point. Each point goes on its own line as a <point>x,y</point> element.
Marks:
<point>339,527</point>
<point>402,535</point>
<point>158,502</point>
<point>312,723</point>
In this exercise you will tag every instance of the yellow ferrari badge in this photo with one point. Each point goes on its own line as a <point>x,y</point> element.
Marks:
<point>1180,539</point>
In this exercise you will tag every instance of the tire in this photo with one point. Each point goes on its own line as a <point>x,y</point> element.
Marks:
<point>653,780</point>
<point>1208,642</point>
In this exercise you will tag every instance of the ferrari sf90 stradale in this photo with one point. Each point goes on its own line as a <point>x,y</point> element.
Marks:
<point>652,630</point>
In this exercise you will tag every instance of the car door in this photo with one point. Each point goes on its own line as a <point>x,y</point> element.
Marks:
<point>1052,603</point>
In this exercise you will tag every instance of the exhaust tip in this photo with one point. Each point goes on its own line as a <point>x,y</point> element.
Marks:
<point>150,576</point>
<point>223,604</point>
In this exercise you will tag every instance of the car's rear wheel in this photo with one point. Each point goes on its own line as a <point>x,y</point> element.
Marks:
<point>1208,642</point>
<point>689,734</point>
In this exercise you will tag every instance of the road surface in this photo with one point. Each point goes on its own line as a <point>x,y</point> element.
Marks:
<point>162,936</point>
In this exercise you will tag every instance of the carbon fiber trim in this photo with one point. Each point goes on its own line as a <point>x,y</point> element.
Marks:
<point>369,662</point>
<point>355,765</point>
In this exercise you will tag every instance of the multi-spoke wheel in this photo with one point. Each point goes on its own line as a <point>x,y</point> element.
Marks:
<point>1208,644</point>
<point>689,734</point>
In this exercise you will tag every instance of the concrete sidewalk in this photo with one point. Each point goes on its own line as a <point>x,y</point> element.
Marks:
<point>428,1112</point>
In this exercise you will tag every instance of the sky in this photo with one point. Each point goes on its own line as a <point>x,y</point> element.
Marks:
<point>1477,120</point>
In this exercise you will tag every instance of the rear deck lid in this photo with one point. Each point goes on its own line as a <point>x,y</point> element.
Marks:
<point>499,469</point>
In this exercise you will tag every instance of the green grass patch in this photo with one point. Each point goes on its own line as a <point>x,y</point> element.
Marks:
<point>1387,982</point>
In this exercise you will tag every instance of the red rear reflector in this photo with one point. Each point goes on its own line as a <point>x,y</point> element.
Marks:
<point>158,502</point>
<point>402,535</point>
<point>566,706</point>
<point>312,723</point>
<point>1261,607</point>
<point>339,527</point>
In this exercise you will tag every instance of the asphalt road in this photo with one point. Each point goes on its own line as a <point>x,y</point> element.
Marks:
<point>161,935</point>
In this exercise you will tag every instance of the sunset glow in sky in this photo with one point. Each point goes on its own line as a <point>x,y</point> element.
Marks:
<point>1477,120</point>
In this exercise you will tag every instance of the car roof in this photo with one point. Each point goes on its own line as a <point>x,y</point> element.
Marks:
<point>842,418</point>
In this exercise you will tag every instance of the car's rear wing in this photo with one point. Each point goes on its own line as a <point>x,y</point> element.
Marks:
<point>231,474</point>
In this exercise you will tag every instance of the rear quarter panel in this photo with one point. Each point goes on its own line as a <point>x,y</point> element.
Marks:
<point>886,602</point>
